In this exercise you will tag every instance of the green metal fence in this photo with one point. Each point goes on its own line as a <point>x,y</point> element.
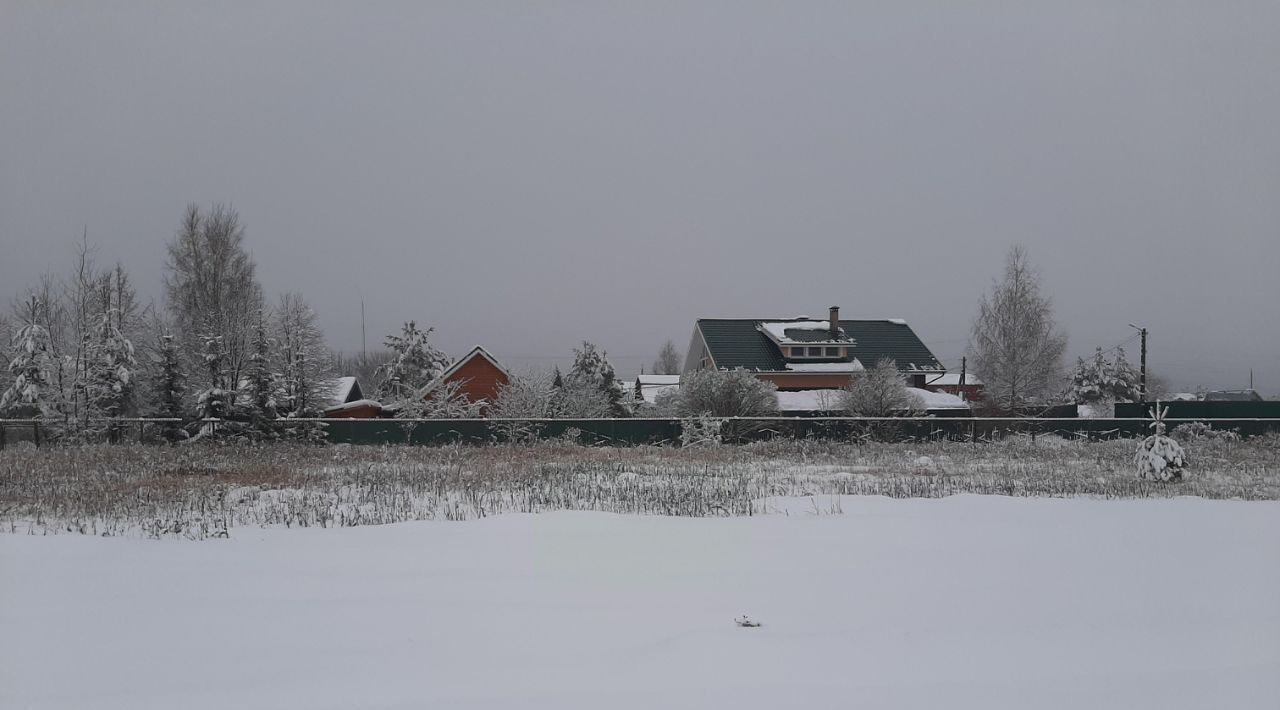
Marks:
<point>624,432</point>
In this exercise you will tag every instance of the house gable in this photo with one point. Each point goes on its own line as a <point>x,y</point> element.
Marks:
<point>479,377</point>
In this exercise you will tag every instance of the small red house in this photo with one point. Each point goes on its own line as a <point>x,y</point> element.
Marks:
<point>479,377</point>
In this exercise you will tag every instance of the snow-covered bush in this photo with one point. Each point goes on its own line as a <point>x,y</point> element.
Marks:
<point>1199,431</point>
<point>725,393</point>
<point>881,391</point>
<point>701,430</point>
<point>1160,458</point>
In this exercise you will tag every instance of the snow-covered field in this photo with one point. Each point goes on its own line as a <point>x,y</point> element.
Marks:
<point>959,602</point>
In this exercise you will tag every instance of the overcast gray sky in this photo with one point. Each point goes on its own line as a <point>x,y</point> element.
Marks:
<point>527,175</point>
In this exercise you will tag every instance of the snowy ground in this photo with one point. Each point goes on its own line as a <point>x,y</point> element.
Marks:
<point>961,602</point>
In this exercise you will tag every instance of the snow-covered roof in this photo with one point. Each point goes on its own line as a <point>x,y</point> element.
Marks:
<point>342,389</point>
<point>653,385</point>
<point>938,400</point>
<point>836,367</point>
<point>778,331</point>
<point>953,379</point>
<point>809,401</point>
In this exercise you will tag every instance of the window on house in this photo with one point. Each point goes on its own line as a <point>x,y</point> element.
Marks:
<point>815,352</point>
<point>796,352</point>
<point>833,352</point>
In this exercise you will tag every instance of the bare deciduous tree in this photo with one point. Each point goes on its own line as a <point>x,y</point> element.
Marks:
<point>668,362</point>
<point>1015,345</point>
<point>211,286</point>
<point>302,360</point>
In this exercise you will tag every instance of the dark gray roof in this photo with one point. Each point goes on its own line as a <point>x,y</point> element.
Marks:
<point>735,342</point>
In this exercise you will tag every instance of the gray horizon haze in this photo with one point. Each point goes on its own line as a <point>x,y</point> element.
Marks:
<point>527,176</point>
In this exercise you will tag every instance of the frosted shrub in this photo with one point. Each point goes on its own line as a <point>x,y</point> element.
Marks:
<point>1199,431</point>
<point>702,430</point>
<point>1160,458</point>
<point>725,393</point>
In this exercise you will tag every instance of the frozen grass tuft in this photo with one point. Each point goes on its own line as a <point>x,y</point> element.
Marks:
<point>205,491</point>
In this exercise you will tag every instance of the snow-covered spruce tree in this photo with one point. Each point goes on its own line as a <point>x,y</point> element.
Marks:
<point>1100,382</point>
<point>111,368</point>
<point>592,370</point>
<point>216,400</point>
<point>28,390</point>
<point>169,387</point>
<point>414,363</point>
<point>1016,348</point>
<point>260,385</point>
<point>1160,458</point>
<point>725,393</point>
<point>881,391</point>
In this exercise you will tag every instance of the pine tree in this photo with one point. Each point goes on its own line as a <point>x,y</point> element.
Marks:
<point>414,364</point>
<point>260,384</point>
<point>169,386</point>
<point>215,401</point>
<point>592,370</point>
<point>1102,381</point>
<point>111,368</point>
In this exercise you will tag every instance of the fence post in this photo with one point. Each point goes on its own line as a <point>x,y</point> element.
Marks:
<point>36,428</point>
<point>2,437</point>
<point>141,424</point>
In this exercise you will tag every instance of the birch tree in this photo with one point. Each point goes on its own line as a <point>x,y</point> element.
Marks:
<point>1016,347</point>
<point>211,287</point>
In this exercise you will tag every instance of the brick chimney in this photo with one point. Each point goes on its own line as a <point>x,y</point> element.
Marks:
<point>834,322</point>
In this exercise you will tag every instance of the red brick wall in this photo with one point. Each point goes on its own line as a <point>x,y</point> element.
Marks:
<point>805,380</point>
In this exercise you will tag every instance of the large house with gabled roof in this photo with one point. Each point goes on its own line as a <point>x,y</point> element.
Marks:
<point>804,354</point>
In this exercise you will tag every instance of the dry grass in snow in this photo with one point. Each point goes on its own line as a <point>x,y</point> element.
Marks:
<point>207,491</point>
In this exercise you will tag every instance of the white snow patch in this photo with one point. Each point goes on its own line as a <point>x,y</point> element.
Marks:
<point>938,400</point>
<point>809,401</point>
<point>964,602</point>
<point>778,331</point>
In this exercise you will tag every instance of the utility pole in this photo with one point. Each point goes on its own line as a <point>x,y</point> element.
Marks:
<point>364,345</point>
<point>1142,384</point>
<point>964,363</point>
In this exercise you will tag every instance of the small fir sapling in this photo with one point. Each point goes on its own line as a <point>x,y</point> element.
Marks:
<point>1160,458</point>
